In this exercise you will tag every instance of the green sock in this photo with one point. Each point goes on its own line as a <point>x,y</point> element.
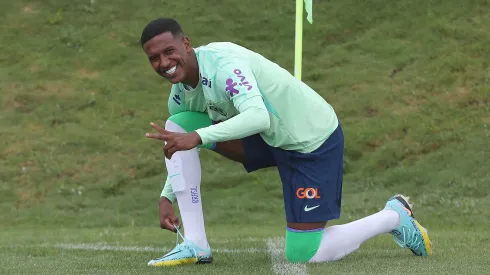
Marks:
<point>301,246</point>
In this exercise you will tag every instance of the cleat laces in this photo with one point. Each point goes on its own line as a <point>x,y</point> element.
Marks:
<point>178,246</point>
<point>411,238</point>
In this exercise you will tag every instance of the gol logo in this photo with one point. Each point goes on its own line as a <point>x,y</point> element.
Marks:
<point>310,193</point>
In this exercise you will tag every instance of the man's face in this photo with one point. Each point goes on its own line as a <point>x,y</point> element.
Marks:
<point>169,56</point>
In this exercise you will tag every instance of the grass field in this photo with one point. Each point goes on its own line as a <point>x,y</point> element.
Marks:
<point>126,251</point>
<point>79,182</point>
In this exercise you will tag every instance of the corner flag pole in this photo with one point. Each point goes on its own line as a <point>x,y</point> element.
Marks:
<point>298,44</point>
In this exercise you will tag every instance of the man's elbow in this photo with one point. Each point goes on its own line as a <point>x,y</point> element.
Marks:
<point>263,120</point>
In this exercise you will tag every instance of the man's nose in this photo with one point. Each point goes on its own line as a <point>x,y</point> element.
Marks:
<point>164,62</point>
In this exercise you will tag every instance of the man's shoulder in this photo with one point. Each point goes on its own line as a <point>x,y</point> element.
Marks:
<point>217,46</point>
<point>221,53</point>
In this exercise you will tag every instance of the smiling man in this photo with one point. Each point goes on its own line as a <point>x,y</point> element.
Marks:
<point>241,105</point>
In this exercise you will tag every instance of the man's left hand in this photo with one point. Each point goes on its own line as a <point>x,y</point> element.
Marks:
<point>175,141</point>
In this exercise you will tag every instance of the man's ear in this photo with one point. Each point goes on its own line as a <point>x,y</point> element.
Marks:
<point>187,44</point>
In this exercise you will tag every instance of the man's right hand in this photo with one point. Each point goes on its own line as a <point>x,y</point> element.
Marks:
<point>167,215</point>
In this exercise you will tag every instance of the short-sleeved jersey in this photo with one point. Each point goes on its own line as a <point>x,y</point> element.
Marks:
<point>300,119</point>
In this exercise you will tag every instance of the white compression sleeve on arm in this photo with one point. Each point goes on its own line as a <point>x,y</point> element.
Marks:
<point>253,119</point>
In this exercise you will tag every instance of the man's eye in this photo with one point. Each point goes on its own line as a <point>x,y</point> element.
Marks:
<point>169,51</point>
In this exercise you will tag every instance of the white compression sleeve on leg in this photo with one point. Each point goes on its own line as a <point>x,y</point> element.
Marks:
<point>184,172</point>
<point>341,240</point>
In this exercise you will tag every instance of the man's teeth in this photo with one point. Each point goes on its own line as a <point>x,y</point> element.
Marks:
<point>171,70</point>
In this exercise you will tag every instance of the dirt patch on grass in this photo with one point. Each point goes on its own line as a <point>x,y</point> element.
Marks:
<point>112,36</point>
<point>131,172</point>
<point>361,86</point>
<point>371,111</point>
<point>57,88</point>
<point>29,9</point>
<point>486,121</point>
<point>35,126</point>
<point>15,147</point>
<point>9,100</point>
<point>411,104</point>
<point>87,74</point>
<point>457,95</point>
<point>93,164</point>
<point>69,173</point>
<point>26,98</point>
<point>34,68</point>
<point>27,198</point>
<point>408,104</point>
<point>400,109</point>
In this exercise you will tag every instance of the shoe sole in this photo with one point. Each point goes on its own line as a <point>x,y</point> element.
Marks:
<point>176,262</point>
<point>184,262</point>
<point>205,261</point>
<point>425,237</point>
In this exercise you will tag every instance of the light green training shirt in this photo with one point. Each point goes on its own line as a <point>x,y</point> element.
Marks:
<point>252,94</point>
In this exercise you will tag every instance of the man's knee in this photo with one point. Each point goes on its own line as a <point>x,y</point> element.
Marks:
<point>189,122</point>
<point>301,246</point>
<point>172,126</point>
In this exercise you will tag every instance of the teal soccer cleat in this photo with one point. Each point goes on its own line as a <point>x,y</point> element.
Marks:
<point>184,253</point>
<point>409,233</point>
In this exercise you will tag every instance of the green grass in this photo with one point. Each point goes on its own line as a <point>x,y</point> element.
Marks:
<point>126,251</point>
<point>410,81</point>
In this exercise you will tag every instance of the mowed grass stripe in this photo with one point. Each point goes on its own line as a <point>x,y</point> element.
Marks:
<point>275,247</point>
<point>110,247</point>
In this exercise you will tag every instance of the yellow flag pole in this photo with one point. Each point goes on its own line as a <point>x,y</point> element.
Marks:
<point>298,44</point>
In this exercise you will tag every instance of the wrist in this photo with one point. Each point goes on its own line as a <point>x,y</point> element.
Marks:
<point>197,137</point>
<point>202,136</point>
<point>165,199</point>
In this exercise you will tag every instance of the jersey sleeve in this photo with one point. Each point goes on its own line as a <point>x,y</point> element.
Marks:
<point>237,82</point>
<point>167,191</point>
<point>239,85</point>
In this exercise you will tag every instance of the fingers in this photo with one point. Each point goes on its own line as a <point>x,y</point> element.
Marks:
<point>167,155</point>
<point>167,149</point>
<point>158,128</point>
<point>168,145</point>
<point>175,221</point>
<point>163,134</point>
<point>171,139</point>
<point>155,136</point>
<point>171,151</point>
<point>167,224</point>
<point>171,148</point>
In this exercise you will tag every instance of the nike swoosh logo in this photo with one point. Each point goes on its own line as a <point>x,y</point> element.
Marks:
<point>173,176</point>
<point>169,254</point>
<point>310,208</point>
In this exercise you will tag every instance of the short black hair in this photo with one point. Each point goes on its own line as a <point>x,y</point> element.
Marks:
<point>159,26</point>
